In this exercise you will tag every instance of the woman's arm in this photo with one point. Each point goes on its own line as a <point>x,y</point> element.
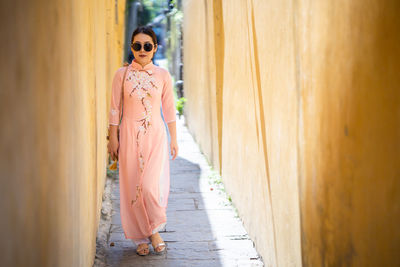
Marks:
<point>114,114</point>
<point>169,112</point>
<point>174,142</point>
<point>172,130</point>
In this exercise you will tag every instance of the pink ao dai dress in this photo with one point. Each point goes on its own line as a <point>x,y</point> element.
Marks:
<point>143,153</point>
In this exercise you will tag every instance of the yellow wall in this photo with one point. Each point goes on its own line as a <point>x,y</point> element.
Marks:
<point>296,102</point>
<point>58,58</point>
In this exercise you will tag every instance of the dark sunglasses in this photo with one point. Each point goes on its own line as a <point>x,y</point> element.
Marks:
<point>138,46</point>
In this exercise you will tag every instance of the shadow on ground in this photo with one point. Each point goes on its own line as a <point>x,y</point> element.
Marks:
<point>202,226</point>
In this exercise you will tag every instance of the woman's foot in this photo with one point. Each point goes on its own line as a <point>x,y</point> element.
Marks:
<point>158,243</point>
<point>143,249</point>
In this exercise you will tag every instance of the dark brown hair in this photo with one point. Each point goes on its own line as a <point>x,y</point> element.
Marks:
<point>146,30</point>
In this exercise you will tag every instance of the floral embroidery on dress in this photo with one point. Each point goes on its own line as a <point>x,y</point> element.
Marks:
<point>141,162</point>
<point>142,84</point>
<point>141,80</point>
<point>138,190</point>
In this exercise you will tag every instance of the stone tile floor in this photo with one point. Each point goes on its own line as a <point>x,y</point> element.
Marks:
<point>203,228</point>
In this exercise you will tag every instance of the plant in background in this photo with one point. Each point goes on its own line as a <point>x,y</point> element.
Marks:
<point>180,105</point>
<point>151,8</point>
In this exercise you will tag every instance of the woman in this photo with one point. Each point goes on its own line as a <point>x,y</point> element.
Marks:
<point>142,149</point>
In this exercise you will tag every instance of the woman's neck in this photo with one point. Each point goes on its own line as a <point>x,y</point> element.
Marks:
<point>142,64</point>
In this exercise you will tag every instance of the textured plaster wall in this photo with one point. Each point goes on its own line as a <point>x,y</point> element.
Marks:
<point>296,102</point>
<point>58,58</point>
<point>349,135</point>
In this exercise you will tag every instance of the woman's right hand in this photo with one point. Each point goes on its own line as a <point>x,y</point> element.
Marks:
<point>113,146</point>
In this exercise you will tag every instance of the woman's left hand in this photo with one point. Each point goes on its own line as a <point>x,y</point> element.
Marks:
<point>174,149</point>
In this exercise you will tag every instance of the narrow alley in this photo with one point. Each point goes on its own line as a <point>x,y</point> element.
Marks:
<point>203,228</point>
<point>288,140</point>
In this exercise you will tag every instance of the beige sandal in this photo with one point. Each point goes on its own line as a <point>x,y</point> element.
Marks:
<point>161,244</point>
<point>142,248</point>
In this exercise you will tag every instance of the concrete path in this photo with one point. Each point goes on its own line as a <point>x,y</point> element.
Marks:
<point>202,229</point>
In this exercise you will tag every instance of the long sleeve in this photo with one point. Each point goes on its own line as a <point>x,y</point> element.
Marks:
<point>115,107</point>
<point>167,99</point>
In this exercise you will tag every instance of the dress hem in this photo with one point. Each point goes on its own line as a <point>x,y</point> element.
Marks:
<point>126,237</point>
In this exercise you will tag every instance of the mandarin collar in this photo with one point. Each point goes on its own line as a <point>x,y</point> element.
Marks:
<point>148,67</point>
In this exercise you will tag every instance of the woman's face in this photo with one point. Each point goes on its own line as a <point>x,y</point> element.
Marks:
<point>143,57</point>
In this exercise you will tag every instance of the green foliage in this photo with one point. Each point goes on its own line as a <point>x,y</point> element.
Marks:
<point>109,172</point>
<point>178,17</point>
<point>180,105</point>
<point>150,9</point>
<point>215,180</point>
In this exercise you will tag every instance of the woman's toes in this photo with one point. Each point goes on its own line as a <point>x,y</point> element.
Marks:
<point>143,249</point>
<point>160,248</point>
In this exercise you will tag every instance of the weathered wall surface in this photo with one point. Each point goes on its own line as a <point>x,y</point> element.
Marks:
<point>58,58</point>
<point>296,102</point>
<point>349,135</point>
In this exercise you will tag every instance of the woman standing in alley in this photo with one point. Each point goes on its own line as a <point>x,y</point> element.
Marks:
<point>142,146</point>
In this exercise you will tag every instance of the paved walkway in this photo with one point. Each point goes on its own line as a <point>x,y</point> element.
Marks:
<point>202,229</point>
